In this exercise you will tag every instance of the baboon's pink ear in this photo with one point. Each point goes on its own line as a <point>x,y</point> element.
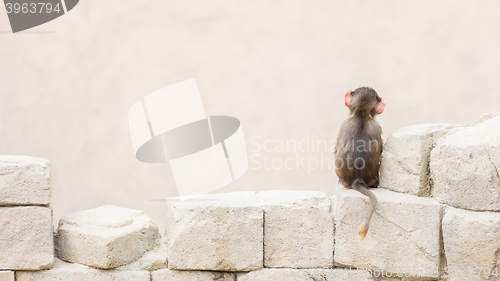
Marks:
<point>348,98</point>
<point>380,107</point>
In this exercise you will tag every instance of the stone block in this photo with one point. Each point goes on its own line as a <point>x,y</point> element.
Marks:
<point>7,275</point>
<point>24,180</point>
<point>293,274</point>
<point>220,232</point>
<point>404,233</point>
<point>405,158</point>
<point>465,168</point>
<point>298,229</point>
<point>76,272</point>
<point>26,238</point>
<point>488,116</point>
<point>472,244</point>
<point>273,274</point>
<point>105,237</point>
<point>154,259</point>
<point>178,275</point>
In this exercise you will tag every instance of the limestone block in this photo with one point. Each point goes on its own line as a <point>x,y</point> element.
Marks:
<point>24,180</point>
<point>76,272</point>
<point>7,275</point>
<point>220,232</point>
<point>298,229</point>
<point>465,168</point>
<point>177,275</point>
<point>488,116</point>
<point>405,158</point>
<point>472,244</point>
<point>152,260</point>
<point>274,274</point>
<point>403,235</point>
<point>292,274</point>
<point>26,238</point>
<point>105,237</point>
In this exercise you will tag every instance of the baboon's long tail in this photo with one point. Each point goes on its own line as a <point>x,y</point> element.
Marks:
<point>360,186</point>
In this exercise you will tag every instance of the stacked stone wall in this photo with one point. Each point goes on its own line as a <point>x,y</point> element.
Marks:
<point>438,218</point>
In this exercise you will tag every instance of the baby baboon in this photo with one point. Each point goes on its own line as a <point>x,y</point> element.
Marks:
<point>359,146</point>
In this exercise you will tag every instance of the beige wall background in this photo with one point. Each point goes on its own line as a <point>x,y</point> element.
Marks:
<point>281,67</point>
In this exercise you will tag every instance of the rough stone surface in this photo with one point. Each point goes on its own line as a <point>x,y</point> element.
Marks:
<point>26,238</point>
<point>274,274</point>
<point>298,229</point>
<point>220,232</point>
<point>403,235</point>
<point>289,274</point>
<point>472,241</point>
<point>7,276</point>
<point>175,275</point>
<point>24,180</point>
<point>465,168</point>
<point>105,237</point>
<point>152,260</point>
<point>405,157</point>
<point>488,116</point>
<point>76,272</point>
<point>338,275</point>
